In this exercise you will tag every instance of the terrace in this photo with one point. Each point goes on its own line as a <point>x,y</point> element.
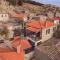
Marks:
<point>34,36</point>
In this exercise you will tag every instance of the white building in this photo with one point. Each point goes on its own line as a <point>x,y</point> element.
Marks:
<point>38,32</point>
<point>56,20</point>
<point>4,16</point>
<point>43,18</point>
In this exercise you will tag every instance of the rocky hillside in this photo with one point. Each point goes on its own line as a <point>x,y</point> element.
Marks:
<point>41,8</point>
<point>36,7</point>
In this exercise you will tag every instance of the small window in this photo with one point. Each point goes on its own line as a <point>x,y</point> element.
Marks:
<point>38,34</point>
<point>59,21</point>
<point>36,18</point>
<point>39,43</point>
<point>1,15</point>
<point>54,28</point>
<point>48,31</point>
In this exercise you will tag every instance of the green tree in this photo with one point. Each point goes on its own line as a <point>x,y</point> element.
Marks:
<point>4,32</point>
<point>16,2</point>
<point>57,33</point>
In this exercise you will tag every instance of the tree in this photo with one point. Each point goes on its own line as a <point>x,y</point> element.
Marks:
<point>57,33</point>
<point>16,2</point>
<point>20,2</point>
<point>4,32</point>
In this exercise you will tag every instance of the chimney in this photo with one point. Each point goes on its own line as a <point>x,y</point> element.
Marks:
<point>18,49</point>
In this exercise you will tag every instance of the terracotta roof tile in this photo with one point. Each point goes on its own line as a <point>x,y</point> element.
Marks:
<point>33,29</point>
<point>21,16</point>
<point>36,25</point>
<point>12,56</point>
<point>55,19</point>
<point>24,43</point>
<point>8,54</point>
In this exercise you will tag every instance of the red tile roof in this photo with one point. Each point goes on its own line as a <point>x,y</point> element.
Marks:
<point>20,16</point>
<point>35,26</point>
<point>55,19</point>
<point>33,29</point>
<point>12,56</point>
<point>24,43</point>
<point>8,54</point>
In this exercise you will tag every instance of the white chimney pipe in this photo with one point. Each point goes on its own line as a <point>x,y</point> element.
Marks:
<point>18,48</point>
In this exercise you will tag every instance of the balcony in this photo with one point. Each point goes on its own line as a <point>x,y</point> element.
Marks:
<point>34,37</point>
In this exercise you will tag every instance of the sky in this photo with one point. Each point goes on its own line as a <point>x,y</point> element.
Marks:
<point>53,2</point>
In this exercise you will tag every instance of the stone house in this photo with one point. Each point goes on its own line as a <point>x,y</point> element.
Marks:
<point>50,14</point>
<point>26,46</point>
<point>57,14</point>
<point>4,16</point>
<point>40,17</point>
<point>56,20</point>
<point>40,31</point>
<point>43,18</point>
<point>21,20</point>
<point>17,52</point>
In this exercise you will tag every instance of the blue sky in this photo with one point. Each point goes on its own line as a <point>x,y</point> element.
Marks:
<point>54,2</point>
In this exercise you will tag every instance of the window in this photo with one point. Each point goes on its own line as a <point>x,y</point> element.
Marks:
<point>1,15</point>
<point>59,21</point>
<point>39,43</point>
<point>38,34</point>
<point>32,43</point>
<point>54,28</point>
<point>48,31</point>
<point>36,18</point>
<point>17,32</point>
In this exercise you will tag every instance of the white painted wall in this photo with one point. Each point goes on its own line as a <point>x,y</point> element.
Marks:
<point>56,21</point>
<point>29,55</point>
<point>4,17</point>
<point>10,34</point>
<point>45,36</point>
<point>43,18</point>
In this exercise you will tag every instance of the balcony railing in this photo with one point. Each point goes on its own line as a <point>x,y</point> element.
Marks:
<point>32,37</point>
